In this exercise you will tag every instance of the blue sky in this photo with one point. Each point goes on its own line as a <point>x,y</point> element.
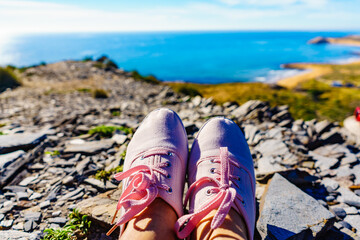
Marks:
<point>19,16</point>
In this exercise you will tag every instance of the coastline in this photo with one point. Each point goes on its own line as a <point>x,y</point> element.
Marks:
<point>315,70</point>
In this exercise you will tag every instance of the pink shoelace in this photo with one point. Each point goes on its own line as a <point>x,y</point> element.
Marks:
<point>224,198</point>
<point>142,189</point>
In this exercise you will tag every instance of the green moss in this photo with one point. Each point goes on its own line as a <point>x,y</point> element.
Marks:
<point>8,79</point>
<point>106,175</point>
<point>115,113</point>
<point>77,227</point>
<point>149,79</point>
<point>100,93</point>
<point>54,153</point>
<point>107,131</point>
<point>84,90</point>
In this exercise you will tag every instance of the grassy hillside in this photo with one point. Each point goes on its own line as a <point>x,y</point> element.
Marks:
<point>314,98</point>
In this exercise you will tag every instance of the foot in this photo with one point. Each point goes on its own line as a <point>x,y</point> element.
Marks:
<point>221,177</point>
<point>154,166</point>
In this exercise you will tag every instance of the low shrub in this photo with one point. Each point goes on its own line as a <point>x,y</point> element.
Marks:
<point>100,93</point>
<point>8,79</point>
<point>149,79</point>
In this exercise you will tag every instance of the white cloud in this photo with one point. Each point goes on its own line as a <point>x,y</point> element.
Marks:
<point>307,3</point>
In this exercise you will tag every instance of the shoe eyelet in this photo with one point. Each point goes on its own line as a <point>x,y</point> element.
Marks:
<point>142,157</point>
<point>212,170</point>
<point>168,176</point>
<point>169,190</point>
<point>212,160</point>
<point>170,153</point>
<point>243,203</point>
<point>168,164</point>
<point>208,192</point>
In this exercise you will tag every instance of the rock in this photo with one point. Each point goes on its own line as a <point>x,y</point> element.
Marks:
<point>56,214</point>
<point>330,184</point>
<point>247,107</point>
<point>90,148</point>
<point>45,204</point>
<point>7,223</point>
<point>33,216</point>
<point>58,220</point>
<point>72,194</point>
<point>287,212</point>
<point>81,166</point>
<point>100,184</point>
<point>119,138</point>
<point>323,126</point>
<point>345,225</point>
<point>348,197</point>
<point>272,147</point>
<point>23,141</point>
<point>29,226</point>
<point>354,221</point>
<point>22,196</point>
<point>334,151</point>
<point>15,189</point>
<point>339,212</point>
<point>324,163</point>
<point>7,159</point>
<point>102,207</point>
<point>351,210</point>
<point>14,235</point>
<point>269,164</point>
<point>2,216</point>
<point>332,137</point>
<point>29,180</point>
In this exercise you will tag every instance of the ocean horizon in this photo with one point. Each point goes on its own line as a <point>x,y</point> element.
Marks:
<point>199,57</point>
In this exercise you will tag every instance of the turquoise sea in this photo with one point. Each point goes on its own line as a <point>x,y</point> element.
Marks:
<point>202,57</point>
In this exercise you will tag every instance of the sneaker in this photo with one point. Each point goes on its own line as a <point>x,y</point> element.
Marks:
<point>154,166</point>
<point>221,176</point>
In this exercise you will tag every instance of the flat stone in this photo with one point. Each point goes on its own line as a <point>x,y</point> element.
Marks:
<point>23,141</point>
<point>8,158</point>
<point>339,212</point>
<point>29,226</point>
<point>45,204</point>
<point>2,216</point>
<point>102,207</point>
<point>269,164</point>
<point>35,195</point>
<point>272,147</point>
<point>7,223</point>
<point>100,184</point>
<point>28,180</point>
<point>34,216</point>
<point>351,210</point>
<point>330,184</point>
<point>348,197</point>
<point>56,214</point>
<point>15,189</point>
<point>332,137</point>
<point>287,212</point>
<point>58,220</point>
<point>22,196</point>
<point>323,126</point>
<point>354,221</point>
<point>90,148</point>
<point>247,107</point>
<point>349,158</point>
<point>14,235</point>
<point>334,150</point>
<point>119,138</point>
<point>82,165</point>
<point>323,163</point>
<point>72,194</point>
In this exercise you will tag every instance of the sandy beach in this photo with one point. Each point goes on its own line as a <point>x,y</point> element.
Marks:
<point>316,70</point>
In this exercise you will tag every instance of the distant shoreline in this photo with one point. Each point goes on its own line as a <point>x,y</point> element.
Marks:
<point>316,70</point>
